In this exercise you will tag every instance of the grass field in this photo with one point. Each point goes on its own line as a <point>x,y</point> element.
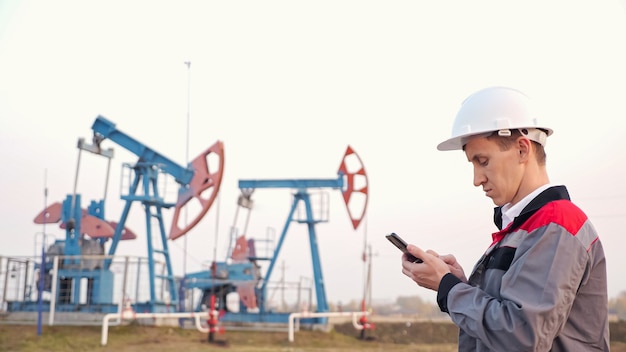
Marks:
<point>387,337</point>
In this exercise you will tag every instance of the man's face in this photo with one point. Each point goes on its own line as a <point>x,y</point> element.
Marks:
<point>498,172</point>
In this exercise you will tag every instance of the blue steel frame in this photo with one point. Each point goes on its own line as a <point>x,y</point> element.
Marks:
<point>146,172</point>
<point>301,185</point>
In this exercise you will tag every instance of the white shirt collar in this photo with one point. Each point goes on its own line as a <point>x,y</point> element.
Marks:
<point>510,212</point>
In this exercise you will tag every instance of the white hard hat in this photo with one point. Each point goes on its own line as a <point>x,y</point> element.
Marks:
<point>493,109</point>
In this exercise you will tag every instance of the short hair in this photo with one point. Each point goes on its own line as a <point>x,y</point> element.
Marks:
<point>506,142</point>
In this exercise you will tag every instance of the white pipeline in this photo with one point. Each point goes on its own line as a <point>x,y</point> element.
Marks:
<point>293,317</point>
<point>130,315</point>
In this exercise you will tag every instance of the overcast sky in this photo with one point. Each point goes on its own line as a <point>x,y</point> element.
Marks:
<point>287,86</point>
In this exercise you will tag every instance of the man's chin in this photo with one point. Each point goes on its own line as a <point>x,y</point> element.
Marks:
<point>497,202</point>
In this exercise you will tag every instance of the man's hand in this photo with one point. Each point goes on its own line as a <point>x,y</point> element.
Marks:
<point>454,266</point>
<point>429,273</point>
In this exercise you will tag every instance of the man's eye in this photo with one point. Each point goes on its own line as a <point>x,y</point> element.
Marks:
<point>483,162</point>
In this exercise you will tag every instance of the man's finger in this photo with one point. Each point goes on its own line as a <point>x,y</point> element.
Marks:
<point>431,252</point>
<point>416,251</point>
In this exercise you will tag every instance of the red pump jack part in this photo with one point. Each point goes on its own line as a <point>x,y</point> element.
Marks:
<point>204,181</point>
<point>350,189</point>
<point>89,224</point>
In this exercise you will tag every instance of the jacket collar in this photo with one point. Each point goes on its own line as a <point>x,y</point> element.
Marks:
<point>549,195</point>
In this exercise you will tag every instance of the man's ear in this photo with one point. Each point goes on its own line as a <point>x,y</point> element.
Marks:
<point>524,147</point>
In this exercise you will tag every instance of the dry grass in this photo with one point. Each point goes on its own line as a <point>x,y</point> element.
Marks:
<point>387,337</point>
<point>145,338</point>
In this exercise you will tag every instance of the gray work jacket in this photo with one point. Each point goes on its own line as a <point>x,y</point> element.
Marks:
<point>540,286</point>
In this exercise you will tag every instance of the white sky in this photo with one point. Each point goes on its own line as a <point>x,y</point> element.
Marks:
<point>287,85</point>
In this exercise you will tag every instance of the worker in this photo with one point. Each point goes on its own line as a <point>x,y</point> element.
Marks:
<point>541,284</point>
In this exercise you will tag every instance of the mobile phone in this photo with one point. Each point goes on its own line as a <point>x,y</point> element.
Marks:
<point>401,244</point>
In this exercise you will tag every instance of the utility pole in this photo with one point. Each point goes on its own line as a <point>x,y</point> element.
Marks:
<point>183,297</point>
<point>40,283</point>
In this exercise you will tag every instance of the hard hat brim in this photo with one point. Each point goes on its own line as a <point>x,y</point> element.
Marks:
<point>457,142</point>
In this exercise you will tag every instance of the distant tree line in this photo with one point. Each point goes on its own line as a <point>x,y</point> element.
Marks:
<point>408,306</point>
<point>617,306</point>
<point>415,306</point>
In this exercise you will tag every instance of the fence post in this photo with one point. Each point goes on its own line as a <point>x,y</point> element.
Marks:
<point>6,279</point>
<point>53,291</point>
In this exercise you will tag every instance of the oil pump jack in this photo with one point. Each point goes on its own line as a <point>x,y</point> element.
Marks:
<point>87,231</point>
<point>241,273</point>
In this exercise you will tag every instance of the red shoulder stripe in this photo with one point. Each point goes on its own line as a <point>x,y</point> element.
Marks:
<point>562,212</point>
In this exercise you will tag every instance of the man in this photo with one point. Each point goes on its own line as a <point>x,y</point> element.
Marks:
<point>541,285</point>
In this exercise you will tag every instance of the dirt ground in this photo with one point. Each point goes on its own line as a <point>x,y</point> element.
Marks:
<point>387,337</point>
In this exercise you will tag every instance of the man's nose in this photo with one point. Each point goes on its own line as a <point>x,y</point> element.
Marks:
<point>479,177</point>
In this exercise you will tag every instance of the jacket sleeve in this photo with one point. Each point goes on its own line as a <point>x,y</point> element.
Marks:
<point>534,297</point>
